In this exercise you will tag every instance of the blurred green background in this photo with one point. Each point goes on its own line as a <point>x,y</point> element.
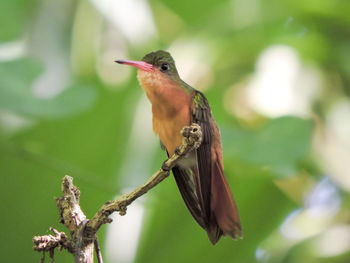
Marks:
<point>277,75</point>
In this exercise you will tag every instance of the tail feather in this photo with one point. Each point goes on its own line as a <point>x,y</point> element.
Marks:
<point>224,214</point>
<point>210,201</point>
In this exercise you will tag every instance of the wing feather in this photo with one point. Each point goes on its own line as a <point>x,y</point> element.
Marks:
<point>204,156</point>
<point>185,182</point>
<point>204,187</point>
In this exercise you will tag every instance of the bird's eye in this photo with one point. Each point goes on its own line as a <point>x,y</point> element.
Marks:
<point>164,67</point>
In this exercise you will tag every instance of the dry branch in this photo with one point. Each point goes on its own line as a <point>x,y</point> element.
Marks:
<point>83,231</point>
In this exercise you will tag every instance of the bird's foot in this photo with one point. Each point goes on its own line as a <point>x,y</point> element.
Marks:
<point>186,131</point>
<point>192,135</point>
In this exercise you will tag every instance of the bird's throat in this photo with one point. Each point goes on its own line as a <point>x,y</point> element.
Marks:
<point>170,106</point>
<point>168,98</point>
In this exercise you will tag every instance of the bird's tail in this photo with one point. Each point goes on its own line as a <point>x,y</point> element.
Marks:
<point>224,218</point>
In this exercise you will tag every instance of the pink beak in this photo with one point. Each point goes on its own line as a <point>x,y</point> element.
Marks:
<point>137,64</point>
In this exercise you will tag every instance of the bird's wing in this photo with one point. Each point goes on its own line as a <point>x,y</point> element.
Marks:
<point>185,181</point>
<point>219,205</point>
<point>189,189</point>
<point>201,114</point>
<point>195,183</point>
<point>204,187</point>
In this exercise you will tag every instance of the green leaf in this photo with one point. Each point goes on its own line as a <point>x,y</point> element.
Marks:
<point>280,145</point>
<point>193,12</point>
<point>13,18</point>
<point>16,78</point>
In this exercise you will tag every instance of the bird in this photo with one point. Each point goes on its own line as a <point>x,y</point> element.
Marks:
<point>200,175</point>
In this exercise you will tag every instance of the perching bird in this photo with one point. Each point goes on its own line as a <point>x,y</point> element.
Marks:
<point>200,175</point>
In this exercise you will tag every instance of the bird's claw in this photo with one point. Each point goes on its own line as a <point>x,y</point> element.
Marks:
<point>186,131</point>
<point>193,134</point>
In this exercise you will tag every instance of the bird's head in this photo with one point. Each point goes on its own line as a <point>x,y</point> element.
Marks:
<point>159,62</point>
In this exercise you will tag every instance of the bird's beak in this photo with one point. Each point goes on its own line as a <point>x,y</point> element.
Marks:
<point>137,64</point>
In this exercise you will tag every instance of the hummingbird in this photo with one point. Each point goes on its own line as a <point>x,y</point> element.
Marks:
<point>200,175</point>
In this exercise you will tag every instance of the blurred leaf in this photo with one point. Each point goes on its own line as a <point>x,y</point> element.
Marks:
<point>280,145</point>
<point>29,190</point>
<point>16,78</point>
<point>193,12</point>
<point>13,18</point>
<point>306,251</point>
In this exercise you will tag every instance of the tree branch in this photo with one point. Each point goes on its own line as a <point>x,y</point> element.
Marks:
<point>49,242</point>
<point>83,232</point>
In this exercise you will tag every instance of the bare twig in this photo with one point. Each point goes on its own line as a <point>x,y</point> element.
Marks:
<point>98,251</point>
<point>83,232</point>
<point>49,242</point>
